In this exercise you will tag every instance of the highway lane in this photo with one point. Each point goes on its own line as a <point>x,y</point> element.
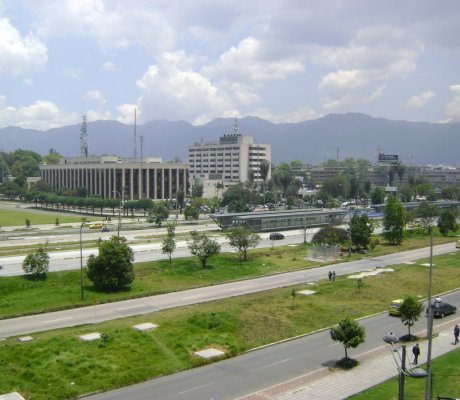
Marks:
<point>268,366</point>
<point>70,259</point>
<point>139,306</point>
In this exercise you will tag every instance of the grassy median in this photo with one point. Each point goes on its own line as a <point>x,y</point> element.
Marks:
<point>56,365</point>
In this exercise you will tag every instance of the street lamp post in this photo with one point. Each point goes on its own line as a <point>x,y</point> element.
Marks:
<point>416,372</point>
<point>430,321</point>
<point>349,233</point>
<point>119,211</point>
<point>81,258</point>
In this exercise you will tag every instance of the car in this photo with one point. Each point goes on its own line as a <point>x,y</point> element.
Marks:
<point>276,236</point>
<point>441,309</point>
<point>105,228</point>
<point>394,307</point>
<point>96,225</point>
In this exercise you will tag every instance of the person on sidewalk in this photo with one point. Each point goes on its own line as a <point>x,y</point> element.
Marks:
<point>416,352</point>
<point>333,276</point>
<point>456,332</point>
<point>330,276</point>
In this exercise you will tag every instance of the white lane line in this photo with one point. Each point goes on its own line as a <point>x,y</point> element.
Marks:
<point>127,308</point>
<point>56,320</point>
<point>192,297</point>
<point>276,363</point>
<point>196,388</point>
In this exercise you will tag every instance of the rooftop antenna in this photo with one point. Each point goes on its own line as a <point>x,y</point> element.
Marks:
<point>236,129</point>
<point>135,133</point>
<point>83,138</point>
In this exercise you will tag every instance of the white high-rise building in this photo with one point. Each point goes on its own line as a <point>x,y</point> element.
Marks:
<point>229,161</point>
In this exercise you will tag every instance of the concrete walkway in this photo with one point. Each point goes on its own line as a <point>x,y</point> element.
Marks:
<point>374,367</point>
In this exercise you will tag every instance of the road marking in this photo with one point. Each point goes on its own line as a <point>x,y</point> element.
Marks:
<point>55,320</point>
<point>196,388</point>
<point>276,363</point>
<point>127,308</point>
<point>192,297</point>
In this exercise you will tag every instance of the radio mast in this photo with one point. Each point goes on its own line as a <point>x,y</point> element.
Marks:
<point>83,138</point>
<point>135,134</point>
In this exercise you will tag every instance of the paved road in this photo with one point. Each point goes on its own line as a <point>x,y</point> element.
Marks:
<point>109,311</point>
<point>70,259</point>
<point>266,367</point>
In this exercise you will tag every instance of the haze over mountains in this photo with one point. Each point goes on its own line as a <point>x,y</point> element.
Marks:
<point>312,141</point>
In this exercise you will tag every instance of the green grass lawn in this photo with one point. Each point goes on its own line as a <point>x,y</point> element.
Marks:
<point>18,218</point>
<point>445,380</point>
<point>70,367</point>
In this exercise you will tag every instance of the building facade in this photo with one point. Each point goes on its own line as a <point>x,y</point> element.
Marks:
<point>111,177</point>
<point>231,160</point>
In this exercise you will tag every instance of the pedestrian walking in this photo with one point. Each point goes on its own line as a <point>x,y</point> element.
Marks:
<point>330,275</point>
<point>333,276</point>
<point>456,332</point>
<point>416,352</point>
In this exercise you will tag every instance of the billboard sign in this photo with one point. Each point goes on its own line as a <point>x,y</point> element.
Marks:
<point>388,159</point>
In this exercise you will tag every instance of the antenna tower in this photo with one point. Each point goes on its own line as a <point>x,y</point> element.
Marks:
<point>83,138</point>
<point>135,133</point>
<point>236,128</point>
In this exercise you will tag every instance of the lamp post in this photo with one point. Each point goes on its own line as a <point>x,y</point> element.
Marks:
<point>119,211</point>
<point>430,322</point>
<point>417,372</point>
<point>81,258</point>
<point>349,233</point>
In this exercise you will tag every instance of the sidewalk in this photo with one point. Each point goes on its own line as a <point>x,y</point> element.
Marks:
<point>375,367</point>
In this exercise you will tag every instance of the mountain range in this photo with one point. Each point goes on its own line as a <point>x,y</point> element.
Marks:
<point>335,136</point>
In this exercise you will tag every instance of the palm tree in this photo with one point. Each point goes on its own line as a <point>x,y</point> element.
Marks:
<point>264,169</point>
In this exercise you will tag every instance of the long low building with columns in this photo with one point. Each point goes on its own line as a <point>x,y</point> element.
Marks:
<point>112,176</point>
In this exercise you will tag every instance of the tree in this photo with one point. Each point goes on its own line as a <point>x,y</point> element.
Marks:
<point>201,246</point>
<point>427,214</point>
<point>378,195</point>
<point>410,311</point>
<point>37,264</point>
<point>331,236</point>
<point>242,238</point>
<point>112,268</point>
<point>447,221</point>
<point>361,230</point>
<point>197,188</point>
<point>53,157</point>
<point>169,242</point>
<point>264,169</point>
<point>394,220</point>
<point>159,212</point>
<point>283,176</point>
<point>191,212</point>
<point>349,333</point>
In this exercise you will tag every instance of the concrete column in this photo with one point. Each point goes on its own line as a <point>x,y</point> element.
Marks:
<point>170,184</point>
<point>147,183</point>
<point>162,183</point>
<point>131,183</point>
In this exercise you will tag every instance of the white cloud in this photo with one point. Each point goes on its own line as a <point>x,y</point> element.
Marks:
<point>248,62</point>
<point>114,24</point>
<point>73,73</point>
<point>343,80</point>
<point>19,53</point>
<point>303,114</point>
<point>126,113</point>
<point>95,95</point>
<point>420,100</point>
<point>109,66</point>
<point>95,115</point>
<point>453,107</point>
<point>169,89</point>
<point>40,115</point>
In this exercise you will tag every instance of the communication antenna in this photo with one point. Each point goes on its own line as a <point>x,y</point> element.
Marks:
<point>236,128</point>
<point>83,138</point>
<point>135,133</point>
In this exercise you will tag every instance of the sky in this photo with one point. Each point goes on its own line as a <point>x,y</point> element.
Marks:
<point>197,60</point>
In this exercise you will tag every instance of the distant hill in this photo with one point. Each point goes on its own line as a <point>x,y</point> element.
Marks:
<point>312,141</point>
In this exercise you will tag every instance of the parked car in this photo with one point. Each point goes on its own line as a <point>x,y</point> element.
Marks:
<point>105,228</point>
<point>394,307</point>
<point>276,236</point>
<point>441,309</point>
